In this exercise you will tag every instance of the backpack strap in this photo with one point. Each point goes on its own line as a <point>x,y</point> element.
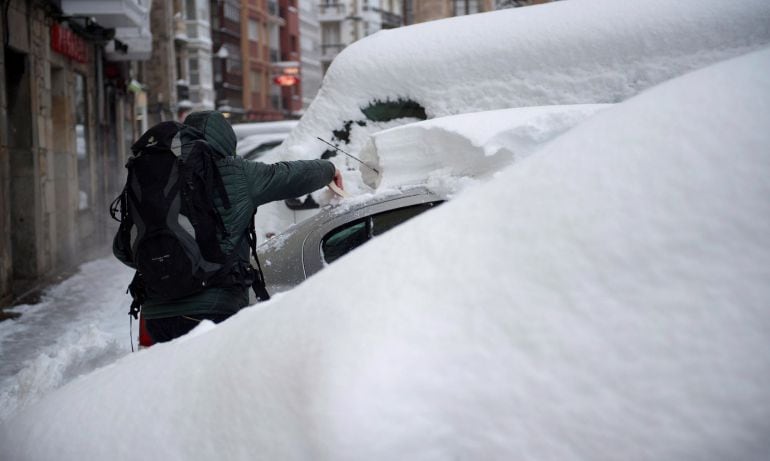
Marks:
<point>258,285</point>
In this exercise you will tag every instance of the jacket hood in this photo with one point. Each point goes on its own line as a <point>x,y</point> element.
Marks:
<point>216,129</point>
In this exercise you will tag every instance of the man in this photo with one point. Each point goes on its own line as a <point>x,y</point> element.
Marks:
<point>248,185</point>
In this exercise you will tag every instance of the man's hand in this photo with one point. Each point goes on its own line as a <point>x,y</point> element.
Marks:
<point>338,178</point>
<point>336,184</point>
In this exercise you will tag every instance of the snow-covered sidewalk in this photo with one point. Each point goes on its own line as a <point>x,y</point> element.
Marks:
<point>79,324</point>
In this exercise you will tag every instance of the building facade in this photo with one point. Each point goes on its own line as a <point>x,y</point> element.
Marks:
<point>290,89</point>
<point>66,121</point>
<point>309,50</point>
<point>228,58</point>
<point>429,10</point>
<point>345,21</point>
<point>193,45</point>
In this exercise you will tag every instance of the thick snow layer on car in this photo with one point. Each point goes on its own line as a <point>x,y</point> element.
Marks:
<point>606,297</point>
<point>447,153</point>
<point>571,52</point>
<point>472,145</point>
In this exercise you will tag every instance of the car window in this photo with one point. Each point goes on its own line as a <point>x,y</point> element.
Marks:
<point>261,149</point>
<point>353,234</point>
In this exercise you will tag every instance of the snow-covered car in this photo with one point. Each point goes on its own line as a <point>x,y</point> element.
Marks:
<point>254,146</point>
<point>304,249</point>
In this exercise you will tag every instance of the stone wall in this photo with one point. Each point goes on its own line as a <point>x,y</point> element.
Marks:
<point>46,225</point>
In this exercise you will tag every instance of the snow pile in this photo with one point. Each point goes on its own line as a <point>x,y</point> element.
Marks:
<point>607,296</point>
<point>576,52</point>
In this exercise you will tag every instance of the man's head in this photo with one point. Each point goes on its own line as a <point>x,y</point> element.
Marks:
<point>215,128</point>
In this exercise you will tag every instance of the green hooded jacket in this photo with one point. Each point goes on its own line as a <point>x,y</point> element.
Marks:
<point>248,185</point>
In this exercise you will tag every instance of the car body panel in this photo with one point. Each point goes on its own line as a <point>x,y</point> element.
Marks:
<point>293,256</point>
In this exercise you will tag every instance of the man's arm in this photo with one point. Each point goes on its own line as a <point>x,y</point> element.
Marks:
<point>285,180</point>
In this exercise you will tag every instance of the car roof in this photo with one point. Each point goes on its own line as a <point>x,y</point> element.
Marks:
<point>243,130</point>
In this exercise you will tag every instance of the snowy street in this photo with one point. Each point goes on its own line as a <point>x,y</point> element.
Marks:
<point>594,286</point>
<point>78,325</point>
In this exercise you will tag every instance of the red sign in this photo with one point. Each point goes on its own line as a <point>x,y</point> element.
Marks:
<point>286,80</point>
<point>65,41</point>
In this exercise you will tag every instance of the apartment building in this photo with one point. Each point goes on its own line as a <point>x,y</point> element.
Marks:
<point>193,63</point>
<point>345,21</point>
<point>228,57</point>
<point>246,42</point>
<point>429,10</point>
<point>310,50</point>
<point>289,64</point>
<point>256,78</point>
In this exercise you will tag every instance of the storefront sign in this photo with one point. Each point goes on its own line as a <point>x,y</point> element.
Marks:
<point>65,41</point>
<point>286,80</point>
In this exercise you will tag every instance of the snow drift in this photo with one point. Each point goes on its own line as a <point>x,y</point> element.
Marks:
<point>605,297</point>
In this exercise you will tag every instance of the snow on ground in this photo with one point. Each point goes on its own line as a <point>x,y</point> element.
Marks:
<point>79,325</point>
<point>607,297</point>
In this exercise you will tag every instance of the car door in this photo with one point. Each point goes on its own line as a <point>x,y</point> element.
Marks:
<point>347,231</point>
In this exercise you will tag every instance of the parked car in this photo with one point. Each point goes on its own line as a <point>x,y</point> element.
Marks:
<point>243,130</point>
<point>254,146</point>
<point>304,249</point>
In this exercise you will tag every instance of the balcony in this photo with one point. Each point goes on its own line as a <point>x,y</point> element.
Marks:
<point>390,20</point>
<point>330,51</point>
<point>110,13</point>
<point>137,42</point>
<point>182,90</point>
<point>180,29</point>
<point>331,11</point>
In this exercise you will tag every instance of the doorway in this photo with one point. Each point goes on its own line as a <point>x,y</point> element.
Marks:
<point>22,166</point>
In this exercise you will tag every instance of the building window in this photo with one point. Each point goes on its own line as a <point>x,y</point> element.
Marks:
<point>233,65</point>
<point>253,30</point>
<point>307,43</point>
<point>205,72</point>
<point>194,73</point>
<point>275,101</point>
<point>81,142</point>
<point>255,81</point>
<point>463,7</point>
<point>190,9</point>
<point>330,33</point>
<point>233,12</point>
<point>273,8</point>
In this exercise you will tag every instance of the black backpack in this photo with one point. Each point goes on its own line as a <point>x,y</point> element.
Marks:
<point>169,223</point>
